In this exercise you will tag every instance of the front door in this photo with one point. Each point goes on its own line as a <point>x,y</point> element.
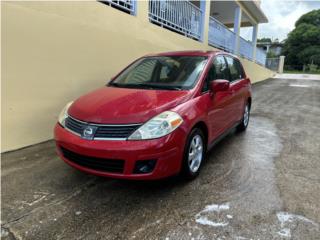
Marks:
<point>219,103</point>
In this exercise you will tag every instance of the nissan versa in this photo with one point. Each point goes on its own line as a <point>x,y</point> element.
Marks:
<point>157,117</point>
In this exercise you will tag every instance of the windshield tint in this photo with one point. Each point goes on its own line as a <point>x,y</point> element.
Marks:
<point>163,72</point>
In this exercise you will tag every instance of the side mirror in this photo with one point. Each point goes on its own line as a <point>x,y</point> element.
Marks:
<point>219,85</point>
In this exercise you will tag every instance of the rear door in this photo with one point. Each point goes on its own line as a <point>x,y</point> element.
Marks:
<point>237,88</point>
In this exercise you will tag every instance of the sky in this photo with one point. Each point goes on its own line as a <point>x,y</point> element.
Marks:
<point>282,16</point>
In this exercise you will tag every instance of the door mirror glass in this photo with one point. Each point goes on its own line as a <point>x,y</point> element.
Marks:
<point>219,85</point>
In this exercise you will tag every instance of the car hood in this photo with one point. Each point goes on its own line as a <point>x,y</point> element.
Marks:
<point>112,105</point>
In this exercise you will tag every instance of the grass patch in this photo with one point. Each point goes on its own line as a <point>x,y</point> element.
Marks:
<point>301,72</point>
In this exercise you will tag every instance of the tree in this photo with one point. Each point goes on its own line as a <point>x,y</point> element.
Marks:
<point>302,46</point>
<point>312,18</point>
<point>264,40</point>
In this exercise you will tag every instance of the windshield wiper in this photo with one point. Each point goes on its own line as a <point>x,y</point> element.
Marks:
<point>126,85</point>
<point>113,84</point>
<point>144,86</point>
<point>155,86</point>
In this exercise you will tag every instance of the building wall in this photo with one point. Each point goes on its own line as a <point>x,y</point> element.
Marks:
<point>52,52</point>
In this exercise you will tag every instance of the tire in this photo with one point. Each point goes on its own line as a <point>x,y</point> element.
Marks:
<point>191,165</point>
<point>245,119</point>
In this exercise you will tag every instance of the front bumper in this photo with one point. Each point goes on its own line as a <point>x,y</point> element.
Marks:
<point>167,151</point>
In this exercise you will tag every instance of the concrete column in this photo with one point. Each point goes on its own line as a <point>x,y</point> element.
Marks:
<point>254,41</point>
<point>281,64</point>
<point>236,28</point>
<point>142,10</point>
<point>205,8</point>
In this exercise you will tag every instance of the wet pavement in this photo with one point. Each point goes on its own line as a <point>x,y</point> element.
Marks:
<point>261,184</point>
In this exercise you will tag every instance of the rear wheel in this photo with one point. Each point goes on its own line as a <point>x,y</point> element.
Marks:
<point>194,154</point>
<point>245,119</point>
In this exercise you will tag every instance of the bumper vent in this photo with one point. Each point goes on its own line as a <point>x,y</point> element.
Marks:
<point>99,164</point>
<point>103,131</point>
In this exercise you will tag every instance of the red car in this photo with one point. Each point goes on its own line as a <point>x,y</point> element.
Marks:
<point>157,117</point>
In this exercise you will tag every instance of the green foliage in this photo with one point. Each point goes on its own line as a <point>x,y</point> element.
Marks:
<point>264,40</point>
<point>302,46</point>
<point>312,18</point>
<point>271,54</point>
<point>315,59</point>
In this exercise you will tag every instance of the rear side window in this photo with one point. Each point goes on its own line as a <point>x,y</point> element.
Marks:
<point>235,68</point>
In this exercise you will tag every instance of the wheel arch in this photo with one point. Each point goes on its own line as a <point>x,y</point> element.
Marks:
<point>204,128</point>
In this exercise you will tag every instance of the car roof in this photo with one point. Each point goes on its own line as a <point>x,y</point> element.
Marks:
<point>191,53</point>
<point>186,53</point>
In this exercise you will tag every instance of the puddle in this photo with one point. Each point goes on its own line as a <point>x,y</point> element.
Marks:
<point>299,85</point>
<point>250,200</point>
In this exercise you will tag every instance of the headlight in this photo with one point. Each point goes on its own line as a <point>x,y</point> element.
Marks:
<point>64,114</point>
<point>157,127</point>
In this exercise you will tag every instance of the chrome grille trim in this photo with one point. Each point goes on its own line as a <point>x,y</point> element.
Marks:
<point>106,125</point>
<point>79,125</point>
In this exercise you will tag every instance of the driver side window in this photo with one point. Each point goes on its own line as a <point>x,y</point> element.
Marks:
<point>221,68</point>
<point>218,70</point>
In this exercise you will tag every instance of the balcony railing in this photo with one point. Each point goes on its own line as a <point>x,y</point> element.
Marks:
<point>220,36</point>
<point>246,48</point>
<point>223,38</point>
<point>124,5</point>
<point>180,16</point>
<point>183,17</point>
<point>261,57</point>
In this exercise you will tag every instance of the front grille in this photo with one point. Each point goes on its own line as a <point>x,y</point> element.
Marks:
<point>75,125</point>
<point>103,131</point>
<point>115,131</point>
<point>100,164</point>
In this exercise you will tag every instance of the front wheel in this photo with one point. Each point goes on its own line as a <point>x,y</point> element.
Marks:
<point>194,154</point>
<point>245,119</point>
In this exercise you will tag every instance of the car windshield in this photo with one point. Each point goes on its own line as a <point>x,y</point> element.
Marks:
<point>162,72</point>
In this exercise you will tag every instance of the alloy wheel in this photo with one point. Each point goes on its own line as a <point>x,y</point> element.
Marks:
<point>195,153</point>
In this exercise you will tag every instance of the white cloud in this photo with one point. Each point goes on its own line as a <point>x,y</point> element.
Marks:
<point>282,16</point>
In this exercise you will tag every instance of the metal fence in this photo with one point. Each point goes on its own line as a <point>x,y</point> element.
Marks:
<point>223,38</point>
<point>273,63</point>
<point>180,16</point>
<point>183,17</point>
<point>124,5</point>
<point>220,36</point>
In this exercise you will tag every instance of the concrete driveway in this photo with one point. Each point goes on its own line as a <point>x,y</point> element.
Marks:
<point>263,184</point>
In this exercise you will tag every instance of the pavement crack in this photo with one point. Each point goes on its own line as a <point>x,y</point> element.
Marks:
<point>305,177</point>
<point>56,202</point>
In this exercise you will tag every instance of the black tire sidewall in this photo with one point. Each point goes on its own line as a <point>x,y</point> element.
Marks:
<point>186,172</point>
<point>241,127</point>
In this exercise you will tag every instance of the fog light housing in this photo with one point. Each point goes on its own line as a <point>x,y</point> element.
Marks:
<point>144,166</point>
